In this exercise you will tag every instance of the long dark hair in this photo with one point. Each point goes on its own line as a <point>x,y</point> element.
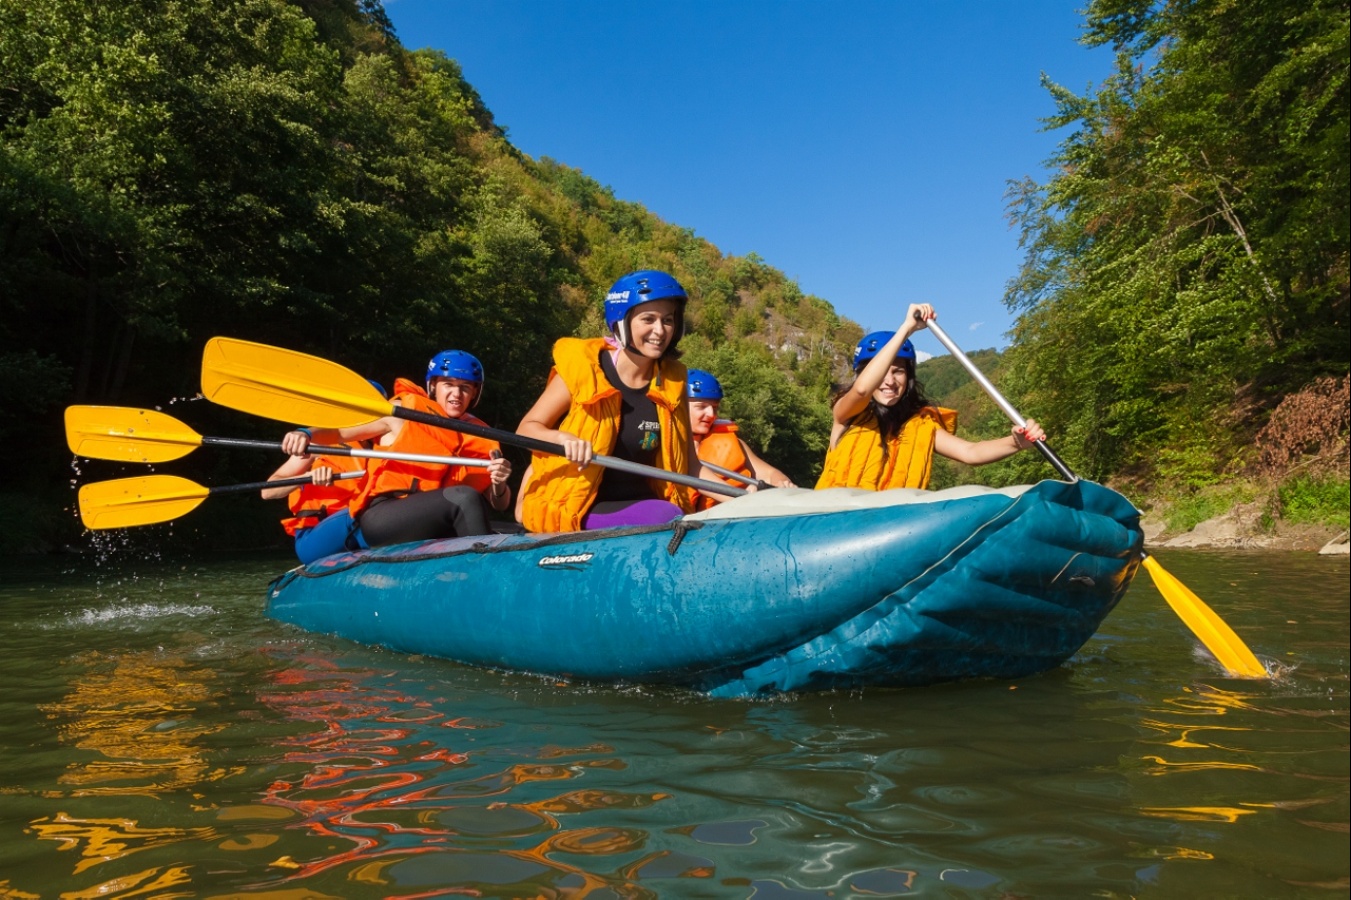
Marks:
<point>891,419</point>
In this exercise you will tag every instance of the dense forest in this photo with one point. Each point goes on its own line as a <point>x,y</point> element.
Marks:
<point>1187,264</point>
<point>285,171</point>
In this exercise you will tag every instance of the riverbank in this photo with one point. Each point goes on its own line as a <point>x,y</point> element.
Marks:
<point>1245,526</point>
<point>1304,506</point>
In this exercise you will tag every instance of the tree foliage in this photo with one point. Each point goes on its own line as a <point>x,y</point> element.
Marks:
<point>284,171</point>
<point>1187,264</point>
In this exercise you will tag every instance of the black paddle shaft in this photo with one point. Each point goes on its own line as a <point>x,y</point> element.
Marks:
<point>244,443</point>
<point>528,443</point>
<point>280,482</point>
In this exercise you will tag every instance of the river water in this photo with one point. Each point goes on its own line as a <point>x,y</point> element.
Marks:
<point>160,738</point>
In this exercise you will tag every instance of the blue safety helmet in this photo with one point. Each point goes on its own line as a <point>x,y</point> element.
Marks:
<point>636,288</point>
<point>459,365</point>
<point>379,387</point>
<point>701,385</point>
<point>868,347</point>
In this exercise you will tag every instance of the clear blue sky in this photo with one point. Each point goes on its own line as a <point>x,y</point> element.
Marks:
<point>863,148</point>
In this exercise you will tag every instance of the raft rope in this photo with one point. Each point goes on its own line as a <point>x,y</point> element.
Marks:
<point>678,527</point>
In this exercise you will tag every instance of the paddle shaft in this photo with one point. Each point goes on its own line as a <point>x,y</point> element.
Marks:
<point>728,473</point>
<point>296,387</point>
<point>280,482</point>
<point>511,438</point>
<point>350,451</point>
<point>1227,647</point>
<point>999,400</point>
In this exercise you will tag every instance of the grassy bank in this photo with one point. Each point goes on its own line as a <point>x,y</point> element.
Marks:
<point>1303,500</point>
<point>1300,507</point>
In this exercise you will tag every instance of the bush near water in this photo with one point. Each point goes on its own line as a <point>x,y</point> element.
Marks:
<point>288,172</point>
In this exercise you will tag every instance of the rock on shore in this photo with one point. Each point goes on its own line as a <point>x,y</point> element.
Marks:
<point>1241,528</point>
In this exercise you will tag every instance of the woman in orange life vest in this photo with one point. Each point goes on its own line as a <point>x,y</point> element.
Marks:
<point>885,431</point>
<point>717,442</point>
<point>621,396</point>
<point>402,501</point>
<point>320,521</point>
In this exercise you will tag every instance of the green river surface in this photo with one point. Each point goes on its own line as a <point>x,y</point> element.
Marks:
<point>159,737</point>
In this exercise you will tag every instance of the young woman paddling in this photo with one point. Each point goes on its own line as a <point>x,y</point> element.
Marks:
<point>621,396</point>
<point>717,441</point>
<point>402,501</point>
<point>885,431</point>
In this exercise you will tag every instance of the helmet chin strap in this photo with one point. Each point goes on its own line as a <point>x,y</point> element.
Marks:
<point>625,338</point>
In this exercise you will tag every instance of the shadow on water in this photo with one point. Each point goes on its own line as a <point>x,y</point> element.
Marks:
<point>159,737</point>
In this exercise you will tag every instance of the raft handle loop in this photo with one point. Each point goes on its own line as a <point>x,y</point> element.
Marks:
<point>681,529</point>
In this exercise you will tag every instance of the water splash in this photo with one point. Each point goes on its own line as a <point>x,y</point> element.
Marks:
<point>1279,672</point>
<point>135,613</point>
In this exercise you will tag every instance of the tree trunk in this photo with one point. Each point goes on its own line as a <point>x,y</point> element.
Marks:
<point>85,368</point>
<point>123,363</point>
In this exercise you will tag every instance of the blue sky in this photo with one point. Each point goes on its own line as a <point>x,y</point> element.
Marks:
<point>863,148</point>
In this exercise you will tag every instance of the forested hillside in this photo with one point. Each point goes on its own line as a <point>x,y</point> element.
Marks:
<point>1187,262</point>
<point>286,172</point>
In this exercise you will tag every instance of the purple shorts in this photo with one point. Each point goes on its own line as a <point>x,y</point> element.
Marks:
<point>616,514</point>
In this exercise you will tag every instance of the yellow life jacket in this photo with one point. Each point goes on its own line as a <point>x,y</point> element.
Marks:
<point>722,447</point>
<point>860,460</point>
<point>558,496</point>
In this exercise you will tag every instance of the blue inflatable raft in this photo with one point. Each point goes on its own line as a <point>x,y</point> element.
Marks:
<point>787,590</point>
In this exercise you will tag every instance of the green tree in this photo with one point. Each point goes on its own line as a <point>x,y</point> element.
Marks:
<point>787,423</point>
<point>284,171</point>
<point>1187,264</point>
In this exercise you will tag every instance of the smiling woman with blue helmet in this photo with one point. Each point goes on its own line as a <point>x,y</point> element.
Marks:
<point>621,396</point>
<point>886,432</point>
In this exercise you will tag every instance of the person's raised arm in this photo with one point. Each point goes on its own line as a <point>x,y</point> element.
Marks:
<point>856,399</point>
<point>541,420</point>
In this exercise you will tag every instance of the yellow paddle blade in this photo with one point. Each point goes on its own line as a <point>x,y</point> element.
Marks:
<point>130,435</point>
<point>124,502</point>
<point>287,386</point>
<point>1213,631</point>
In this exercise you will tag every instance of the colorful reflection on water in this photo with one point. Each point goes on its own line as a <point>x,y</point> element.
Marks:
<point>159,738</point>
<point>397,781</point>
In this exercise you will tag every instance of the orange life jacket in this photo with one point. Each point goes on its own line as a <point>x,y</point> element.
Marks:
<point>398,476</point>
<point>861,460</point>
<point>722,447</point>
<point>558,496</point>
<point>312,503</point>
